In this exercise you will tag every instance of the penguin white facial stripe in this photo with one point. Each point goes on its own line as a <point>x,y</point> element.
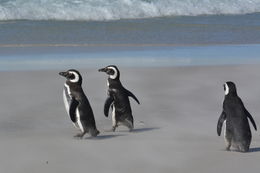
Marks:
<point>226,89</point>
<point>115,73</point>
<point>76,79</point>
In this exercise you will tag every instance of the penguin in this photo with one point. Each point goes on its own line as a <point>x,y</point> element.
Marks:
<point>235,117</point>
<point>118,100</point>
<point>77,104</point>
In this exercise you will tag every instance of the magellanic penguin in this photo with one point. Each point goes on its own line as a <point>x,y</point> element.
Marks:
<point>237,131</point>
<point>118,99</point>
<point>77,104</point>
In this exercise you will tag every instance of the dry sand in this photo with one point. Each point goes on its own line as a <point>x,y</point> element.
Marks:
<point>175,125</point>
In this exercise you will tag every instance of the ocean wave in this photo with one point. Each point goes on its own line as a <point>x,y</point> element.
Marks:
<point>120,9</point>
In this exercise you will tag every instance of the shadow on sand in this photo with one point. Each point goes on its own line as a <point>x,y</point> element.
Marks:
<point>251,150</point>
<point>140,130</point>
<point>104,137</point>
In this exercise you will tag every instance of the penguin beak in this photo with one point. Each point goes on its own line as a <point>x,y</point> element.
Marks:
<point>64,74</point>
<point>103,70</point>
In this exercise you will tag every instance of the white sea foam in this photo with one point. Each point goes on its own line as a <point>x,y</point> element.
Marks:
<point>119,9</point>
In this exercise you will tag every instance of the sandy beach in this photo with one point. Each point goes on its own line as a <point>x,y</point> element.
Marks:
<point>175,124</point>
<point>173,55</point>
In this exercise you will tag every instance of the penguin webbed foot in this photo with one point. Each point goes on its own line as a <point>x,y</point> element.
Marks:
<point>243,149</point>
<point>113,129</point>
<point>80,135</point>
<point>94,133</point>
<point>130,129</point>
<point>228,149</point>
<point>129,125</point>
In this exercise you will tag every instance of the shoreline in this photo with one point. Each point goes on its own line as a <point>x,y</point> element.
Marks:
<point>82,45</point>
<point>40,58</point>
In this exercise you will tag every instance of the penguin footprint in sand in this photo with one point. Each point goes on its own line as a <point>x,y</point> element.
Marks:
<point>235,116</point>
<point>77,104</point>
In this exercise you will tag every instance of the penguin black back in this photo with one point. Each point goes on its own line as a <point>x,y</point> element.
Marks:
<point>77,104</point>
<point>235,116</point>
<point>118,99</point>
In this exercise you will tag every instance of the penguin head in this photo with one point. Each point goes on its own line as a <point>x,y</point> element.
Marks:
<point>230,89</point>
<point>112,71</point>
<point>72,76</point>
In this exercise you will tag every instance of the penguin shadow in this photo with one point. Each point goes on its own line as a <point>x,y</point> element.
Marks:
<point>104,137</point>
<point>252,150</point>
<point>141,130</point>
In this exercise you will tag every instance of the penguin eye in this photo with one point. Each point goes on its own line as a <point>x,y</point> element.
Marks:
<point>71,76</point>
<point>224,87</point>
<point>111,72</point>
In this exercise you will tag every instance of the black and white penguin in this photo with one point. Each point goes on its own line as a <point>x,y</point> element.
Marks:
<point>77,104</point>
<point>237,131</point>
<point>118,99</point>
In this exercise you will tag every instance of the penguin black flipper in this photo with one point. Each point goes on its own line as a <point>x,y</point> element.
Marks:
<point>108,102</point>
<point>221,119</point>
<point>251,118</point>
<point>132,95</point>
<point>72,111</point>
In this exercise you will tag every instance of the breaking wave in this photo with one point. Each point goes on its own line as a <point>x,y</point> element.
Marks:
<point>120,9</point>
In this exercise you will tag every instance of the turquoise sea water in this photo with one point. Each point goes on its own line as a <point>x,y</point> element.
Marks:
<point>177,30</point>
<point>36,34</point>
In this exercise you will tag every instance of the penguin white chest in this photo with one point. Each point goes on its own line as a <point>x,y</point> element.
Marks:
<point>225,129</point>
<point>79,124</point>
<point>113,115</point>
<point>67,99</point>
